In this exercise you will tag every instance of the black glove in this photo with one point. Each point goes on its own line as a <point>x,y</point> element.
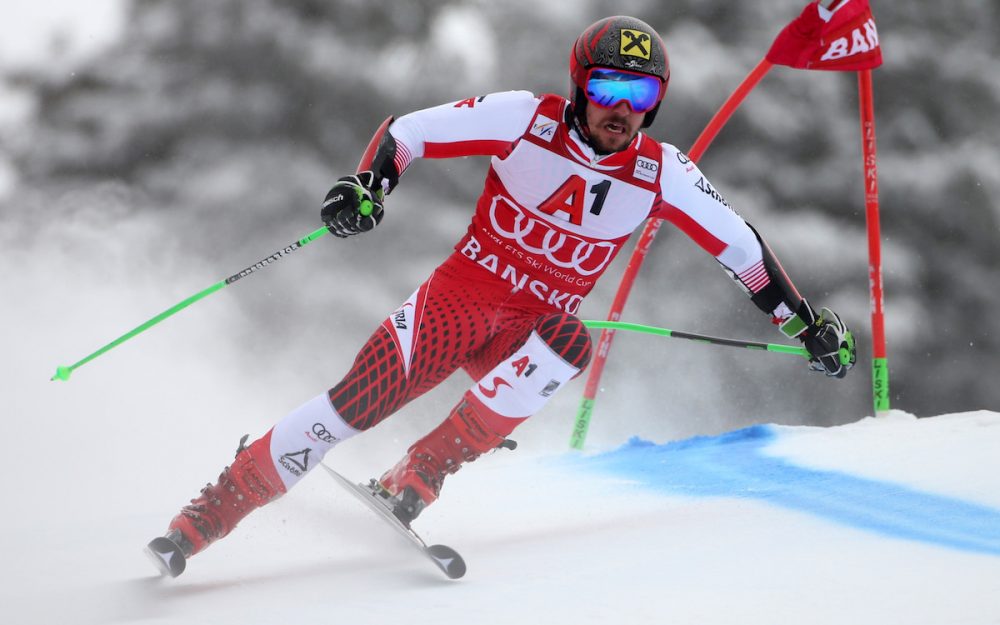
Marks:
<point>353,205</point>
<point>830,344</point>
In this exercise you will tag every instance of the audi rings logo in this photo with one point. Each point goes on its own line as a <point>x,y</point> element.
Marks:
<point>537,237</point>
<point>323,434</point>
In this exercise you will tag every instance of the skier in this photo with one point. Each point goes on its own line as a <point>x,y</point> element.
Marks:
<point>569,181</point>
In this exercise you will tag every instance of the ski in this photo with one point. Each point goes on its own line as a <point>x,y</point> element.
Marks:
<point>444,557</point>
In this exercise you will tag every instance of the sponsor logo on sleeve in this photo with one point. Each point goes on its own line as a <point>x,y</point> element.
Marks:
<point>469,102</point>
<point>706,187</point>
<point>543,128</point>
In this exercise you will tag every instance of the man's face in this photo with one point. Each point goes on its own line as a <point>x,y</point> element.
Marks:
<point>612,129</point>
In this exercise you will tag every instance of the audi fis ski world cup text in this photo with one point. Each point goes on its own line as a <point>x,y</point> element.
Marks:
<point>543,291</point>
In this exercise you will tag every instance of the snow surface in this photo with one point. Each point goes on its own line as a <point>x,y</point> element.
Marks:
<point>893,520</point>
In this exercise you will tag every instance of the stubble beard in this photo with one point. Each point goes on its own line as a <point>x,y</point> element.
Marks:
<point>614,142</point>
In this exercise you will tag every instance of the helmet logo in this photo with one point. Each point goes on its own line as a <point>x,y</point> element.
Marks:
<point>635,43</point>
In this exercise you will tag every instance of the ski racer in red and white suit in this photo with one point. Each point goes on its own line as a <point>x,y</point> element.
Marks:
<point>563,193</point>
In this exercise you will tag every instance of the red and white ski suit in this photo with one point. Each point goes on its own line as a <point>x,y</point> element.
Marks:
<point>551,218</point>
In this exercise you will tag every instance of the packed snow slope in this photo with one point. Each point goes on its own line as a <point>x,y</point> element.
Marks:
<point>890,520</point>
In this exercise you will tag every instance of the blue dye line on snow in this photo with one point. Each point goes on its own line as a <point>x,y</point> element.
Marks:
<point>734,465</point>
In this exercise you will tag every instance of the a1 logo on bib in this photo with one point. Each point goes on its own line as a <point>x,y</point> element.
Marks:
<point>635,43</point>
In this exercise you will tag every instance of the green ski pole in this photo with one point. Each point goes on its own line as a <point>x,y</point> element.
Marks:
<point>63,372</point>
<point>583,417</point>
<point>701,338</point>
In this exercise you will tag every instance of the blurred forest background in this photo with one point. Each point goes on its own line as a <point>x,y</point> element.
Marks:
<point>202,136</point>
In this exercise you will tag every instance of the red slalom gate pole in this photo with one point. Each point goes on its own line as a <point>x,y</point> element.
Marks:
<point>714,126</point>
<point>880,367</point>
<point>727,109</point>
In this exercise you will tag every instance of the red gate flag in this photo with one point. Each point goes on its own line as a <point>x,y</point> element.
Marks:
<point>842,38</point>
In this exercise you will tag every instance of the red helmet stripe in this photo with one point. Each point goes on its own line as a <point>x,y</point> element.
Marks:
<point>597,37</point>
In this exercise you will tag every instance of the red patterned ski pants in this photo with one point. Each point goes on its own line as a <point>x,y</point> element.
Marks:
<point>461,317</point>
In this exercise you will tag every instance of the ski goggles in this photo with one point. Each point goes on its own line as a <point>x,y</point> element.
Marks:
<point>607,87</point>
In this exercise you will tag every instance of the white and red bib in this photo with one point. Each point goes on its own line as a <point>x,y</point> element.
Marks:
<point>553,214</point>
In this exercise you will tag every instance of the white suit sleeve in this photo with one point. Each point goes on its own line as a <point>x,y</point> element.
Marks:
<point>696,207</point>
<point>480,126</point>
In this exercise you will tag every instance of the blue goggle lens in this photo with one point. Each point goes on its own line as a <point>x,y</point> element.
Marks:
<point>608,87</point>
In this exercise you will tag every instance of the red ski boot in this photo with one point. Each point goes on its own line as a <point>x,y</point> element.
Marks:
<point>248,484</point>
<point>415,482</point>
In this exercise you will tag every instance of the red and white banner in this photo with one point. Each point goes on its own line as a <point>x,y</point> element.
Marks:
<point>842,38</point>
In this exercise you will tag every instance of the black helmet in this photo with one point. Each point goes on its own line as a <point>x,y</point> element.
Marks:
<point>621,43</point>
